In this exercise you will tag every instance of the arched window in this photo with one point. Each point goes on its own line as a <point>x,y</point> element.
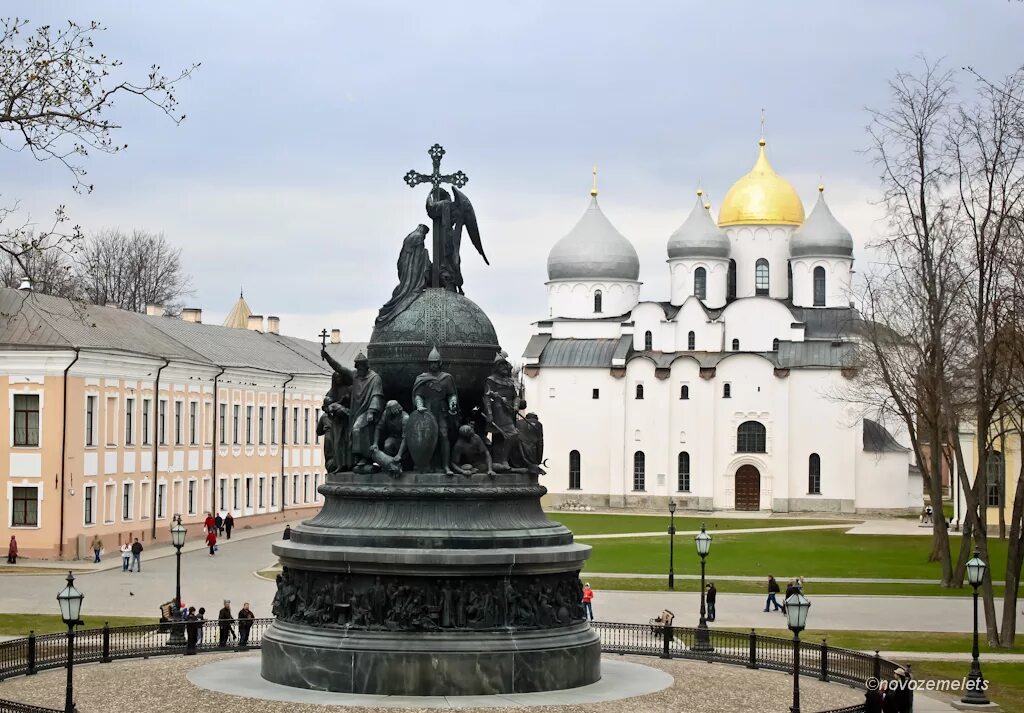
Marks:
<point>700,283</point>
<point>730,281</point>
<point>814,474</point>
<point>648,340</point>
<point>639,392</point>
<point>775,345</point>
<point>819,286</point>
<point>995,476</point>
<point>574,470</point>
<point>684,392</point>
<point>639,476</point>
<point>761,277</point>
<point>684,472</point>
<point>789,279</point>
<point>726,391</point>
<point>735,345</point>
<point>750,437</point>
<point>597,301</point>
<point>691,341</point>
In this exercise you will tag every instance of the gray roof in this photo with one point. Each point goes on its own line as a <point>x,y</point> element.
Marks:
<point>815,353</point>
<point>828,322</point>
<point>593,250</point>
<point>698,236</point>
<point>821,235</point>
<point>579,352</point>
<point>879,440</point>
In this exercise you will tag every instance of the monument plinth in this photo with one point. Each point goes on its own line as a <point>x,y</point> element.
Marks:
<point>431,568</point>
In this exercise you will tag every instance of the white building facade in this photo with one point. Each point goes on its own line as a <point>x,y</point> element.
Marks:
<point>728,396</point>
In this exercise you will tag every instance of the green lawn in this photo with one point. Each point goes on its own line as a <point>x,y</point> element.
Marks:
<point>894,641</point>
<point>819,553</point>
<point>21,624</point>
<point>630,584</point>
<point>608,524</point>
<point>1006,680</point>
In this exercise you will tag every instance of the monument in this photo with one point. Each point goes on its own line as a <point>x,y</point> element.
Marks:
<point>431,568</point>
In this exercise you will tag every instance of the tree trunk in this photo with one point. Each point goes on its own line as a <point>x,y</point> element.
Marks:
<point>940,535</point>
<point>1014,559</point>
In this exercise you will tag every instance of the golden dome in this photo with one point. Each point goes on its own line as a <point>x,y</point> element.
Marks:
<point>762,197</point>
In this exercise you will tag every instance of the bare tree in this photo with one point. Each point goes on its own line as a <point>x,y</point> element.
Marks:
<point>56,92</point>
<point>131,270</point>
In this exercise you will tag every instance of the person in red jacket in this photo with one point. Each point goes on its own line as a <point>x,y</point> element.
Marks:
<point>211,540</point>
<point>588,597</point>
<point>209,523</point>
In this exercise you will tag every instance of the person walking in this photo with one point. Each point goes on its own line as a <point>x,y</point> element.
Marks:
<point>136,556</point>
<point>710,598</point>
<point>218,522</point>
<point>245,619</point>
<point>225,619</point>
<point>126,556</point>
<point>12,551</point>
<point>201,617</point>
<point>791,589</point>
<point>229,522</point>
<point>209,523</point>
<point>211,542</point>
<point>773,591</point>
<point>191,631</point>
<point>588,602</point>
<point>97,547</point>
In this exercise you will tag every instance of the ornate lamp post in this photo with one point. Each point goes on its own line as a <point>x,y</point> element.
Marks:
<point>976,568</point>
<point>70,601</point>
<point>177,637</point>
<point>797,606</point>
<point>703,639</point>
<point>671,544</point>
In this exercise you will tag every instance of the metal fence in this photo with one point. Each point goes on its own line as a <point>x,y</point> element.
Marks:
<point>828,663</point>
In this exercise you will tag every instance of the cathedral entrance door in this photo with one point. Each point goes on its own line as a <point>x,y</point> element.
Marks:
<point>748,488</point>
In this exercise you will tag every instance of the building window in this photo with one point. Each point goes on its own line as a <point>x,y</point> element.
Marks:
<point>109,503</point>
<point>25,507</point>
<point>595,394</point>
<point>110,416</point>
<point>819,286</point>
<point>223,424</point>
<point>727,391</point>
<point>684,392</point>
<point>691,341</point>
<point>90,504</point>
<point>597,301</point>
<point>129,422</point>
<point>295,489</point>
<point>305,426</point>
<point>316,420</point>
<point>259,493</point>
<point>236,416</point>
<point>179,412</point>
<point>236,488</point>
<point>316,487</point>
<point>305,486</point>
<point>223,494</point>
<point>161,426</point>
<point>90,420</point>
<point>761,277</point>
<point>639,392</point>
<point>639,478</point>
<point>273,425</point>
<point>684,472</point>
<point>700,283</point>
<point>775,345</point>
<point>295,426</point>
<point>648,341</point>
<point>814,474</point>
<point>193,422</point>
<point>145,421</point>
<point>574,470</point>
<point>751,437</point>
<point>126,501</point>
<point>735,345</point>
<point>248,492</point>
<point>273,492</point>
<point>161,497</point>
<point>191,497</point>
<point>730,281</point>
<point>262,438</point>
<point>995,475</point>
<point>248,425</point>
<point>26,420</point>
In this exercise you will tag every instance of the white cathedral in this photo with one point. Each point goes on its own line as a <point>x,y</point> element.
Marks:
<point>726,396</point>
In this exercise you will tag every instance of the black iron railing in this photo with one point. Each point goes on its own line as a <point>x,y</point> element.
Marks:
<point>37,653</point>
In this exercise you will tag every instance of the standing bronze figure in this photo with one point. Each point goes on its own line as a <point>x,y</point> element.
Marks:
<point>500,408</point>
<point>435,393</point>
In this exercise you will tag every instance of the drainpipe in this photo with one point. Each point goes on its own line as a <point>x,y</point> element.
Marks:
<point>284,432</point>
<point>215,445</point>
<point>63,451</point>
<point>156,439</point>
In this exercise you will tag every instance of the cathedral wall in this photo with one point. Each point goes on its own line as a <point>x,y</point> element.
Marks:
<point>649,316</point>
<point>708,336</point>
<point>752,242</point>
<point>691,430</point>
<point>576,298</point>
<point>681,272</point>
<point>884,483</point>
<point>755,322</point>
<point>838,273</point>
<point>586,330</point>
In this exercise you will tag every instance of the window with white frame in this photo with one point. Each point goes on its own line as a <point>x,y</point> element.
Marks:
<point>109,503</point>
<point>161,426</point>
<point>126,501</point>
<point>191,509</point>
<point>261,438</point>
<point>110,416</point>
<point>273,491</point>
<point>25,506</point>
<point>260,502</point>
<point>273,425</point>
<point>179,414</point>
<point>236,416</point>
<point>236,487</point>
<point>223,494</point>
<point>193,422</point>
<point>316,487</point>
<point>90,420</point>
<point>161,501</point>
<point>89,505</point>
<point>145,421</point>
<point>223,426</point>
<point>129,421</point>
<point>248,425</point>
<point>305,488</point>
<point>248,492</point>
<point>26,420</point>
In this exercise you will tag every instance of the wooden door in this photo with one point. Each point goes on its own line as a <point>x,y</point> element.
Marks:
<point>748,488</point>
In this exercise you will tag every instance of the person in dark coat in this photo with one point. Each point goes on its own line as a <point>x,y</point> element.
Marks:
<point>773,591</point>
<point>12,551</point>
<point>229,522</point>
<point>710,598</point>
<point>890,699</point>
<point>791,589</point>
<point>191,630</point>
<point>872,701</point>
<point>903,694</point>
<point>225,619</point>
<point>245,619</point>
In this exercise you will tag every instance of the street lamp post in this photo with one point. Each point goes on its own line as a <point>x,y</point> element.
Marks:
<point>70,601</point>
<point>975,681</point>
<point>797,606</point>
<point>671,544</point>
<point>177,637</point>
<point>703,638</point>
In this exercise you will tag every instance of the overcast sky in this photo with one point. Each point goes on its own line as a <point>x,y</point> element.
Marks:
<point>286,178</point>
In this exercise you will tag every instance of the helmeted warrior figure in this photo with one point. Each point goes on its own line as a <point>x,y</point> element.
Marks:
<point>434,391</point>
<point>501,404</point>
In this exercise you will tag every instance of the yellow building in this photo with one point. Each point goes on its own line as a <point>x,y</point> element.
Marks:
<point>117,421</point>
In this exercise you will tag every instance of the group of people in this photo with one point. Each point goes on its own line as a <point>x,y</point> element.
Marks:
<point>894,696</point>
<point>194,619</point>
<point>772,604</point>
<point>216,526</point>
<point>131,556</point>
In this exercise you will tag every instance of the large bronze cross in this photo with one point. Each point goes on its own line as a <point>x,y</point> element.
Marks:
<point>436,178</point>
